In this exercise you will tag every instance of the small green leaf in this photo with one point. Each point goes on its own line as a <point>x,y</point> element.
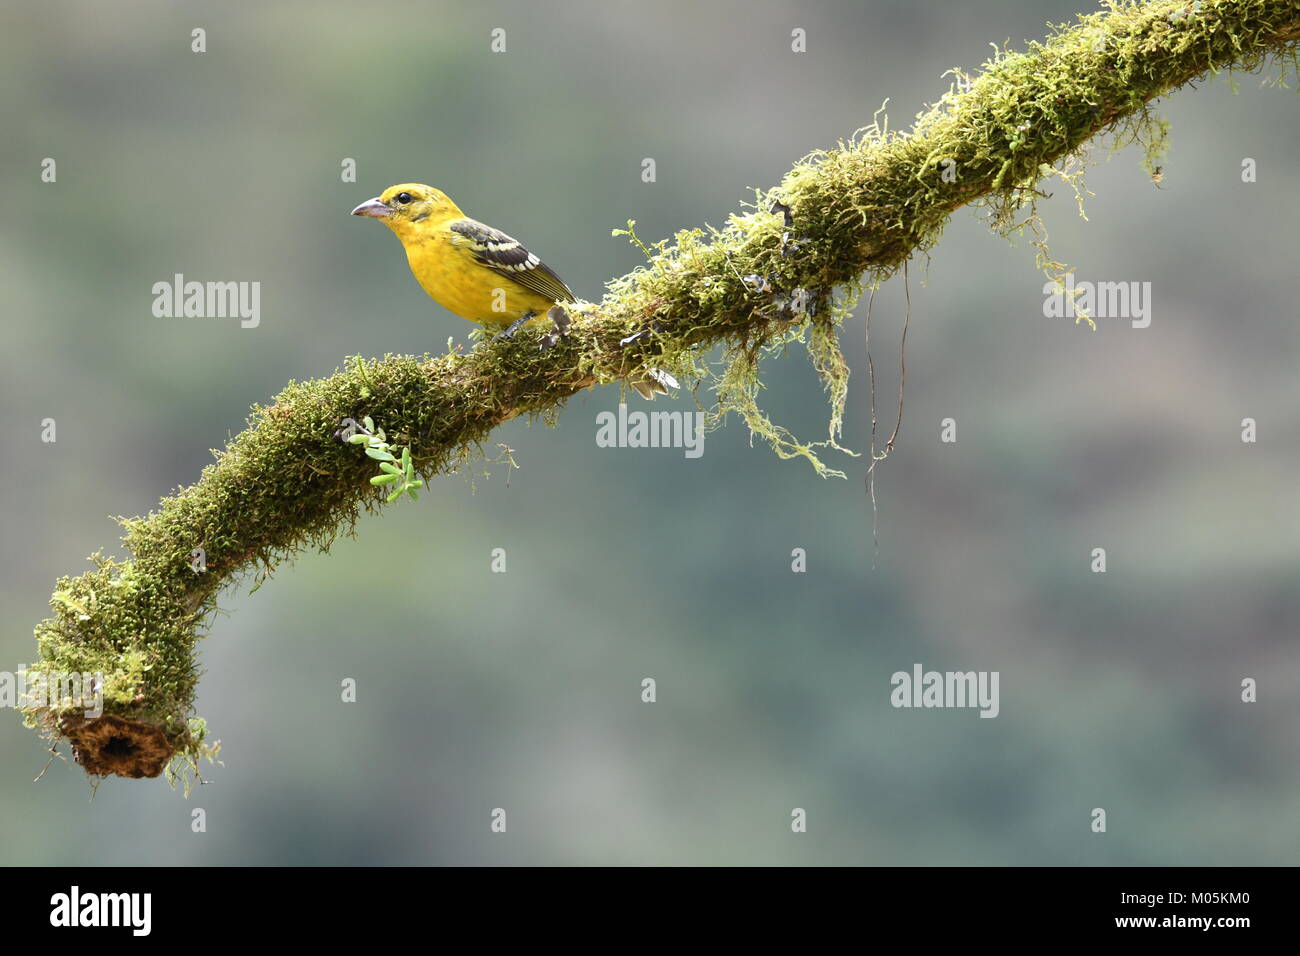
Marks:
<point>394,496</point>
<point>390,468</point>
<point>415,495</point>
<point>359,438</point>
<point>379,455</point>
<point>384,479</point>
<point>369,423</point>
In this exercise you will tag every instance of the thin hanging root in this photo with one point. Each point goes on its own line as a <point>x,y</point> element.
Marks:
<point>902,386</point>
<point>871,469</point>
<point>902,363</point>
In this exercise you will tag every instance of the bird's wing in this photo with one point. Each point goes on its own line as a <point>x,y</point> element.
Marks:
<point>507,257</point>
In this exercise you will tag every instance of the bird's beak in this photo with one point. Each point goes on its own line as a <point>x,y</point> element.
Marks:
<point>374,208</point>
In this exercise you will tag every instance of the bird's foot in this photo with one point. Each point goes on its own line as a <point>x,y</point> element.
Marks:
<point>515,326</point>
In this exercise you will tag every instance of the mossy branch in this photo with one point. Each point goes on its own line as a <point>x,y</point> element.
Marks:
<point>786,269</point>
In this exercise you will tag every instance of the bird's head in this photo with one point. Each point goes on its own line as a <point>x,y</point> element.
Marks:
<point>402,206</point>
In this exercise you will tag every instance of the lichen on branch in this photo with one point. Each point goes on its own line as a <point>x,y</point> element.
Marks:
<point>788,268</point>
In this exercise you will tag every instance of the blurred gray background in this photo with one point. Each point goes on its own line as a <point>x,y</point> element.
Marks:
<point>522,691</point>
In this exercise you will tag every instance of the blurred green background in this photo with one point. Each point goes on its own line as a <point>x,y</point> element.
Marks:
<point>522,690</point>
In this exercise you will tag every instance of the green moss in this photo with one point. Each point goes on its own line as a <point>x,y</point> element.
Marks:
<point>784,271</point>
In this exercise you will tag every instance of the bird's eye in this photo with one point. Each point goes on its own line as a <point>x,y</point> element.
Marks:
<point>403,198</point>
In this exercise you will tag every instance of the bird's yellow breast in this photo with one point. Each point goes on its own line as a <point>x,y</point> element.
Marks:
<point>461,285</point>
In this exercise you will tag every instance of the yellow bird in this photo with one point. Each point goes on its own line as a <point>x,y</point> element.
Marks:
<point>473,270</point>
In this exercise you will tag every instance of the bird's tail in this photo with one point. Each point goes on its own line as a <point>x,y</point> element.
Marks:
<point>652,382</point>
